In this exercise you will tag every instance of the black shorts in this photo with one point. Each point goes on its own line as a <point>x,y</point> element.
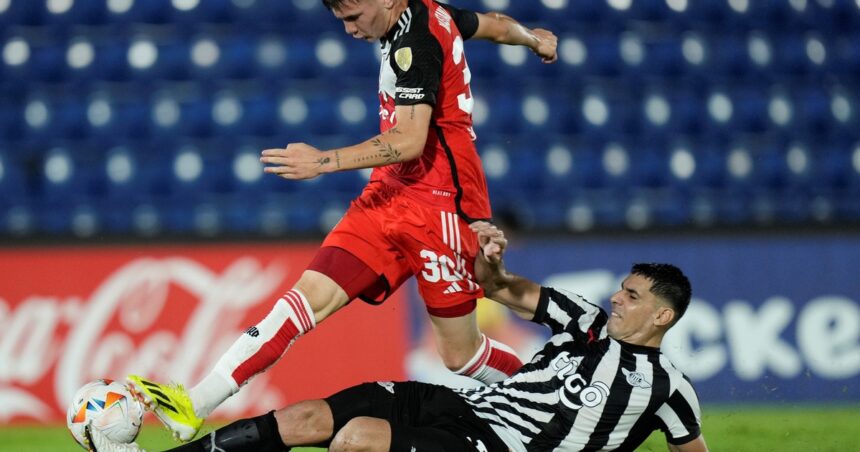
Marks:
<point>423,417</point>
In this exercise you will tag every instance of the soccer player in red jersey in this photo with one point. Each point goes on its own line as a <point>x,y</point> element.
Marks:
<point>411,219</point>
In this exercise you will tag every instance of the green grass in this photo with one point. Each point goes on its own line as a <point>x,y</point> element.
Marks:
<point>760,429</point>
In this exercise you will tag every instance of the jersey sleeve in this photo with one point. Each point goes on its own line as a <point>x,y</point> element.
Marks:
<point>466,21</point>
<point>564,311</point>
<point>416,59</point>
<point>681,416</point>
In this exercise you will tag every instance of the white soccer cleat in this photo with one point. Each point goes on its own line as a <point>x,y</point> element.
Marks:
<point>98,442</point>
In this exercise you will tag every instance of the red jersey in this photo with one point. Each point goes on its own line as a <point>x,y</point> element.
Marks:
<point>423,63</point>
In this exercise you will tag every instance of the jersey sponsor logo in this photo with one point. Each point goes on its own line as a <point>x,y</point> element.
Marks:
<point>636,379</point>
<point>576,392</point>
<point>410,93</point>
<point>403,58</point>
<point>389,386</point>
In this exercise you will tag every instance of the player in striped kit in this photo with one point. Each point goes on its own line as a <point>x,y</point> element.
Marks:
<point>412,218</point>
<point>599,383</point>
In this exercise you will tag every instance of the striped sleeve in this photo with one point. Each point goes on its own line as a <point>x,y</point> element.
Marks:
<point>564,311</point>
<point>467,21</point>
<point>681,415</point>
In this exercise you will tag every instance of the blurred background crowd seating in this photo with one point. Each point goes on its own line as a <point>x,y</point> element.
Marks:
<point>124,118</point>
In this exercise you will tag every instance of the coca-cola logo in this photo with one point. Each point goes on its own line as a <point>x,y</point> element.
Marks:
<point>169,318</point>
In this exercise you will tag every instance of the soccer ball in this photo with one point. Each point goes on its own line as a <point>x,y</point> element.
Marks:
<point>108,406</point>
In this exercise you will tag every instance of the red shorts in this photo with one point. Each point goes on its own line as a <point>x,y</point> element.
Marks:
<point>398,237</point>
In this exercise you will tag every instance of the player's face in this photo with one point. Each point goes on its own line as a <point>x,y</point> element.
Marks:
<point>364,19</point>
<point>636,312</point>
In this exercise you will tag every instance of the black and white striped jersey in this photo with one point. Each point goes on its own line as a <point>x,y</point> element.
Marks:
<point>585,390</point>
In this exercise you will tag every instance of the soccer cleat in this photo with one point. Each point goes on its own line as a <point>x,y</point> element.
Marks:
<point>97,442</point>
<point>170,404</point>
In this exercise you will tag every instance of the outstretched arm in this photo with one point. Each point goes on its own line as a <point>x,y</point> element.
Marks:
<point>503,29</point>
<point>521,295</point>
<point>400,144</point>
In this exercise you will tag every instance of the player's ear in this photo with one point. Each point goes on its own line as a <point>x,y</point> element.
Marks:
<point>664,316</point>
<point>389,4</point>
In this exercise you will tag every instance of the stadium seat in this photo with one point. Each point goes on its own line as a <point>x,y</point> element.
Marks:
<point>205,11</point>
<point>80,12</point>
<point>23,13</point>
<point>146,12</point>
<point>604,55</point>
<point>13,180</point>
<point>663,55</point>
<point>727,56</point>
<point>813,108</point>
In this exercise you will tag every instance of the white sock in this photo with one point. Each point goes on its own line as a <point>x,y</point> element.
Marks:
<point>253,352</point>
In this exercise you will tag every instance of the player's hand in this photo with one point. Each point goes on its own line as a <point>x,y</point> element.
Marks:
<point>295,162</point>
<point>546,46</point>
<point>491,240</point>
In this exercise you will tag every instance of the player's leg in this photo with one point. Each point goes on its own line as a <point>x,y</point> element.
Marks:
<point>332,279</point>
<point>467,352</point>
<point>446,248</point>
<point>405,417</point>
<point>365,434</point>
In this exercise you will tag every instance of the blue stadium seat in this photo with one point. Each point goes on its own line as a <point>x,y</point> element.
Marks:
<point>727,56</point>
<point>67,173</point>
<point>11,121</point>
<point>13,177</point>
<point>237,57</point>
<point>545,112</point>
<point>604,55</point>
<point>111,59</point>
<point>122,174</point>
<point>663,55</point>
<point>196,116</point>
<point>790,56</point>
<point>207,11</point>
<point>846,54</point>
<point>750,108</point>
<point>812,108</point>
<point>173,61</point>
<point>568,162</point>
<point>80,12</point>
<point>47,61</point>
<point>146,12</point>
<point>355,113</point>
<point>23,13</point>
<point>260,114</point>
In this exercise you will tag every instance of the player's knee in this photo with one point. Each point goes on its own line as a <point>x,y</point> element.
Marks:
<point>309,419</point>
<point>362,434</point>
<point>323,295</point>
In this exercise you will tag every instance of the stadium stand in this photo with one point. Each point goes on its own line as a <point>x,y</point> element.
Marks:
<point>146,118</point>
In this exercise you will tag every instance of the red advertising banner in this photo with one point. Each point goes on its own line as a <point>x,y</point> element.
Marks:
<point>69,315</point>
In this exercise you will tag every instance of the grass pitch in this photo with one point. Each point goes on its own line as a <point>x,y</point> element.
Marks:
<point>760,429</point>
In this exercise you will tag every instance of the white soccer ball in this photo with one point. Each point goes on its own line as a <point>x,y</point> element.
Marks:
<point>108,406</point>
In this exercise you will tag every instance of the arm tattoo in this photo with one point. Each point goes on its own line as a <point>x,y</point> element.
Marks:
<point>323,160</point>
<point>389,153</point>
<point>337,158</point>
<point>412,113</point>
<point>394,131</point>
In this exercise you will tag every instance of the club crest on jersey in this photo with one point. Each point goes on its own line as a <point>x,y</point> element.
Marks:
<point>403,58</point>
<point>636,379</point>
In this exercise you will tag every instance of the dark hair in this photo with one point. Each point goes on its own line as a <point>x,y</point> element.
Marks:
<point>335,4</point>
<point>668,283</point>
